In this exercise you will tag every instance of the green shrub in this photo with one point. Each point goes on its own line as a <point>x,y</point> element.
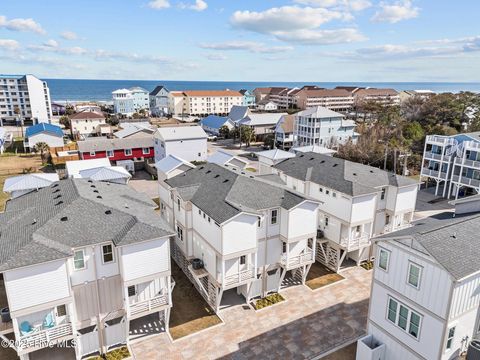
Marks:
<point>268,301</point>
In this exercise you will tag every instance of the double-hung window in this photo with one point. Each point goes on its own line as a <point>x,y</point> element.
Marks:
<point>414,274</point>
<point>180,233</point>
<point>110,153</point>
<point>79,260</point>
<point>450,336</point>
<point>128,152</point>
<point>273,217</point>
<point>107,253</point>
<point>383,259</point>
<point>404,317</point>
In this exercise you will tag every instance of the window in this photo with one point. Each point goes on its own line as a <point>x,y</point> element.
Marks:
<point>128,152</point>
<point>450,336</point>
<point>79,260</point>
<point>180,233</point>
<point>132,291</point>
<point>334,194</point>
<point>405,318</point>
<point>326,221</point>
<point>92,153</point>
<point>384,256</point>
<point>320,189</point>
<point>178,204</point>
<point>259,222</point>
<point>284,247</point>
<point>61,310</point>
<point>199,154</point>
<point>243,260</point>
<point>107,252</point>
<point>110,153</point>
<point>273,217</point>
<point>414,273</point>
<point>382,196</point>
<point>327,192</point>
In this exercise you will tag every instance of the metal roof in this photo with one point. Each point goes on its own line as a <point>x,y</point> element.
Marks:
<point>44,128</point>
<point>29,182</point>
<point>180,133</point>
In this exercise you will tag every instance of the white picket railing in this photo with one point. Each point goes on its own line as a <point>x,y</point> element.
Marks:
<point>351,243</point>
<point>239,277</point>
<point>43,338</point>
<point>147,305</point>
<point>297,260</point>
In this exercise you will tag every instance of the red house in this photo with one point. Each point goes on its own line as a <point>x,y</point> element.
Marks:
<point>135,148</point>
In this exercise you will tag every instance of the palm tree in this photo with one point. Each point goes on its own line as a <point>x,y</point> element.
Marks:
<point>42,148</point>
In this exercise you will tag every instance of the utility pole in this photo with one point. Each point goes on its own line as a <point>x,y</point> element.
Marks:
<point>385,160</point>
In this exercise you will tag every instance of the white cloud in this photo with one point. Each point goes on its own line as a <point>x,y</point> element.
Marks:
<point>395,12</point>
<point>286,18</point>
<point>159,4</point>
<point>216,57</point>
<point>51,43</point>
<point>8,44</point>
<point>322,37</point>
<point>199,5</point>
<point>69,35</point>
<point>251,46</point>
<point>20,24</point>
<point>353,5</point>
<point>53,46</point>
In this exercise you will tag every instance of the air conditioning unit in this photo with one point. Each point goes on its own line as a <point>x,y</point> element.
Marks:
<point>197,264</point>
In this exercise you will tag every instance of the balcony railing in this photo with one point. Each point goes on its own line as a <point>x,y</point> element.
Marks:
<point>147,305</point>
<point>240,277</point>
<point>355,242</point>
<point>467,162</point>
<point>434,173</point>
<point>466,181</point>
<point>432,155</point>
<point>45,337</point>
<point>440,139</point>
<point>471,145</point>
<point>297,260</point>
<point>395,227</point>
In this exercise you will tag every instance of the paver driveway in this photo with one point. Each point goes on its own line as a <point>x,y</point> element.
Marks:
<point>307,324</point>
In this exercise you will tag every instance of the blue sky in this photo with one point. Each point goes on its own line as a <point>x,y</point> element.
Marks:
<point>261,40</point>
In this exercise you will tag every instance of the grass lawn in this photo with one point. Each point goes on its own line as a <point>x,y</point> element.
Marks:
<point>190,312</point>
<point>320,276</point>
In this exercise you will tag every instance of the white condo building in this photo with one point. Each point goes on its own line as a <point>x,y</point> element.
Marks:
<point>203,102</point>
<point>452,164</point>
<point>84,259</point>
<point>236,232</point>
<point>24,98</point>
<point>357,202</point>
<point>130,101</point>
<point>425,302</point>
<point>186,142</point>
<point>321,126</point>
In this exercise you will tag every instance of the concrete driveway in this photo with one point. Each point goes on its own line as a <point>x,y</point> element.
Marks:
<point>142,182</point>
<point>307,324</point>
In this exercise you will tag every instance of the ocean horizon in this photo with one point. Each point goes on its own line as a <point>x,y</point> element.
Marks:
<point>100,90</point>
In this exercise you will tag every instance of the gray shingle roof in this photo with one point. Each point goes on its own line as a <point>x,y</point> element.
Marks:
<point>342,175</point>
<point>451,241</point>
<point>45,225</point>
<point>222,193</point>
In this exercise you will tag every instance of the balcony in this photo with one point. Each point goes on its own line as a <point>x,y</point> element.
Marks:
<point>240,277</point>
<point>440,140</point>
<point>355,242</point>
<point>468,163</point>
<point>145,307</point>
<point>291,262</point>
<point>435,156</point>
<point>434,173</point>
<point>392,227</point>
<point>466,181</point>
<point>40,337</point>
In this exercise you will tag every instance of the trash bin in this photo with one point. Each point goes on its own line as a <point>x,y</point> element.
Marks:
<point>5,313</point>
<point>473,352</point>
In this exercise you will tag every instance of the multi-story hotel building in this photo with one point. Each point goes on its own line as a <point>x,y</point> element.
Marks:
<point>24,98</point>
<point>333,99</point>
<point>203,102</point>
<point>453,164</point>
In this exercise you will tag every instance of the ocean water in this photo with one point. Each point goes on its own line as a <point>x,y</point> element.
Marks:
<point>100,90</point>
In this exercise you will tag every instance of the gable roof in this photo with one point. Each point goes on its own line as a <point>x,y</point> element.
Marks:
<point>452,241</point>
<point>171,162</point>
<point>74,167</point>
<point>260,119</point>
<point>29,182</point>
<point>214,121</point>
<point>342,175</point>
<point>44,128</point>
<point>129,129</point>
<point>158,89</point>
<point>287,123</point>
<point>47,224</point>
<point>238,112</point>
<point>223,194</point>
<point>276,154</point>
<point>312,148</point>
<point>222,157</point>
<point>181,133</point>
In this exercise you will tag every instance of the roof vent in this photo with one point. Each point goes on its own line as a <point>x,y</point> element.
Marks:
<point>92,186</point>
<point>55,191</point>
<point>243,173</point>
<point>216,176</point>
<point>334,165</point>
<point>321,162</point>
<point>64,218</point>
<point>354,174</point>
<point>59,203</point>
<point>208,171</point>
<point>371,171</point>
<point>99,197</point>
<point>90,181</point>
<point>301,155</point>
<point>311,158</point>
<point>54,185</point>
<point>251,176</point>
<point>201,167</point>
<point>34,221</point>
<point>95,191</point>
<point>225,181</point>
<point>58,196</point>
<point>108,212</point>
